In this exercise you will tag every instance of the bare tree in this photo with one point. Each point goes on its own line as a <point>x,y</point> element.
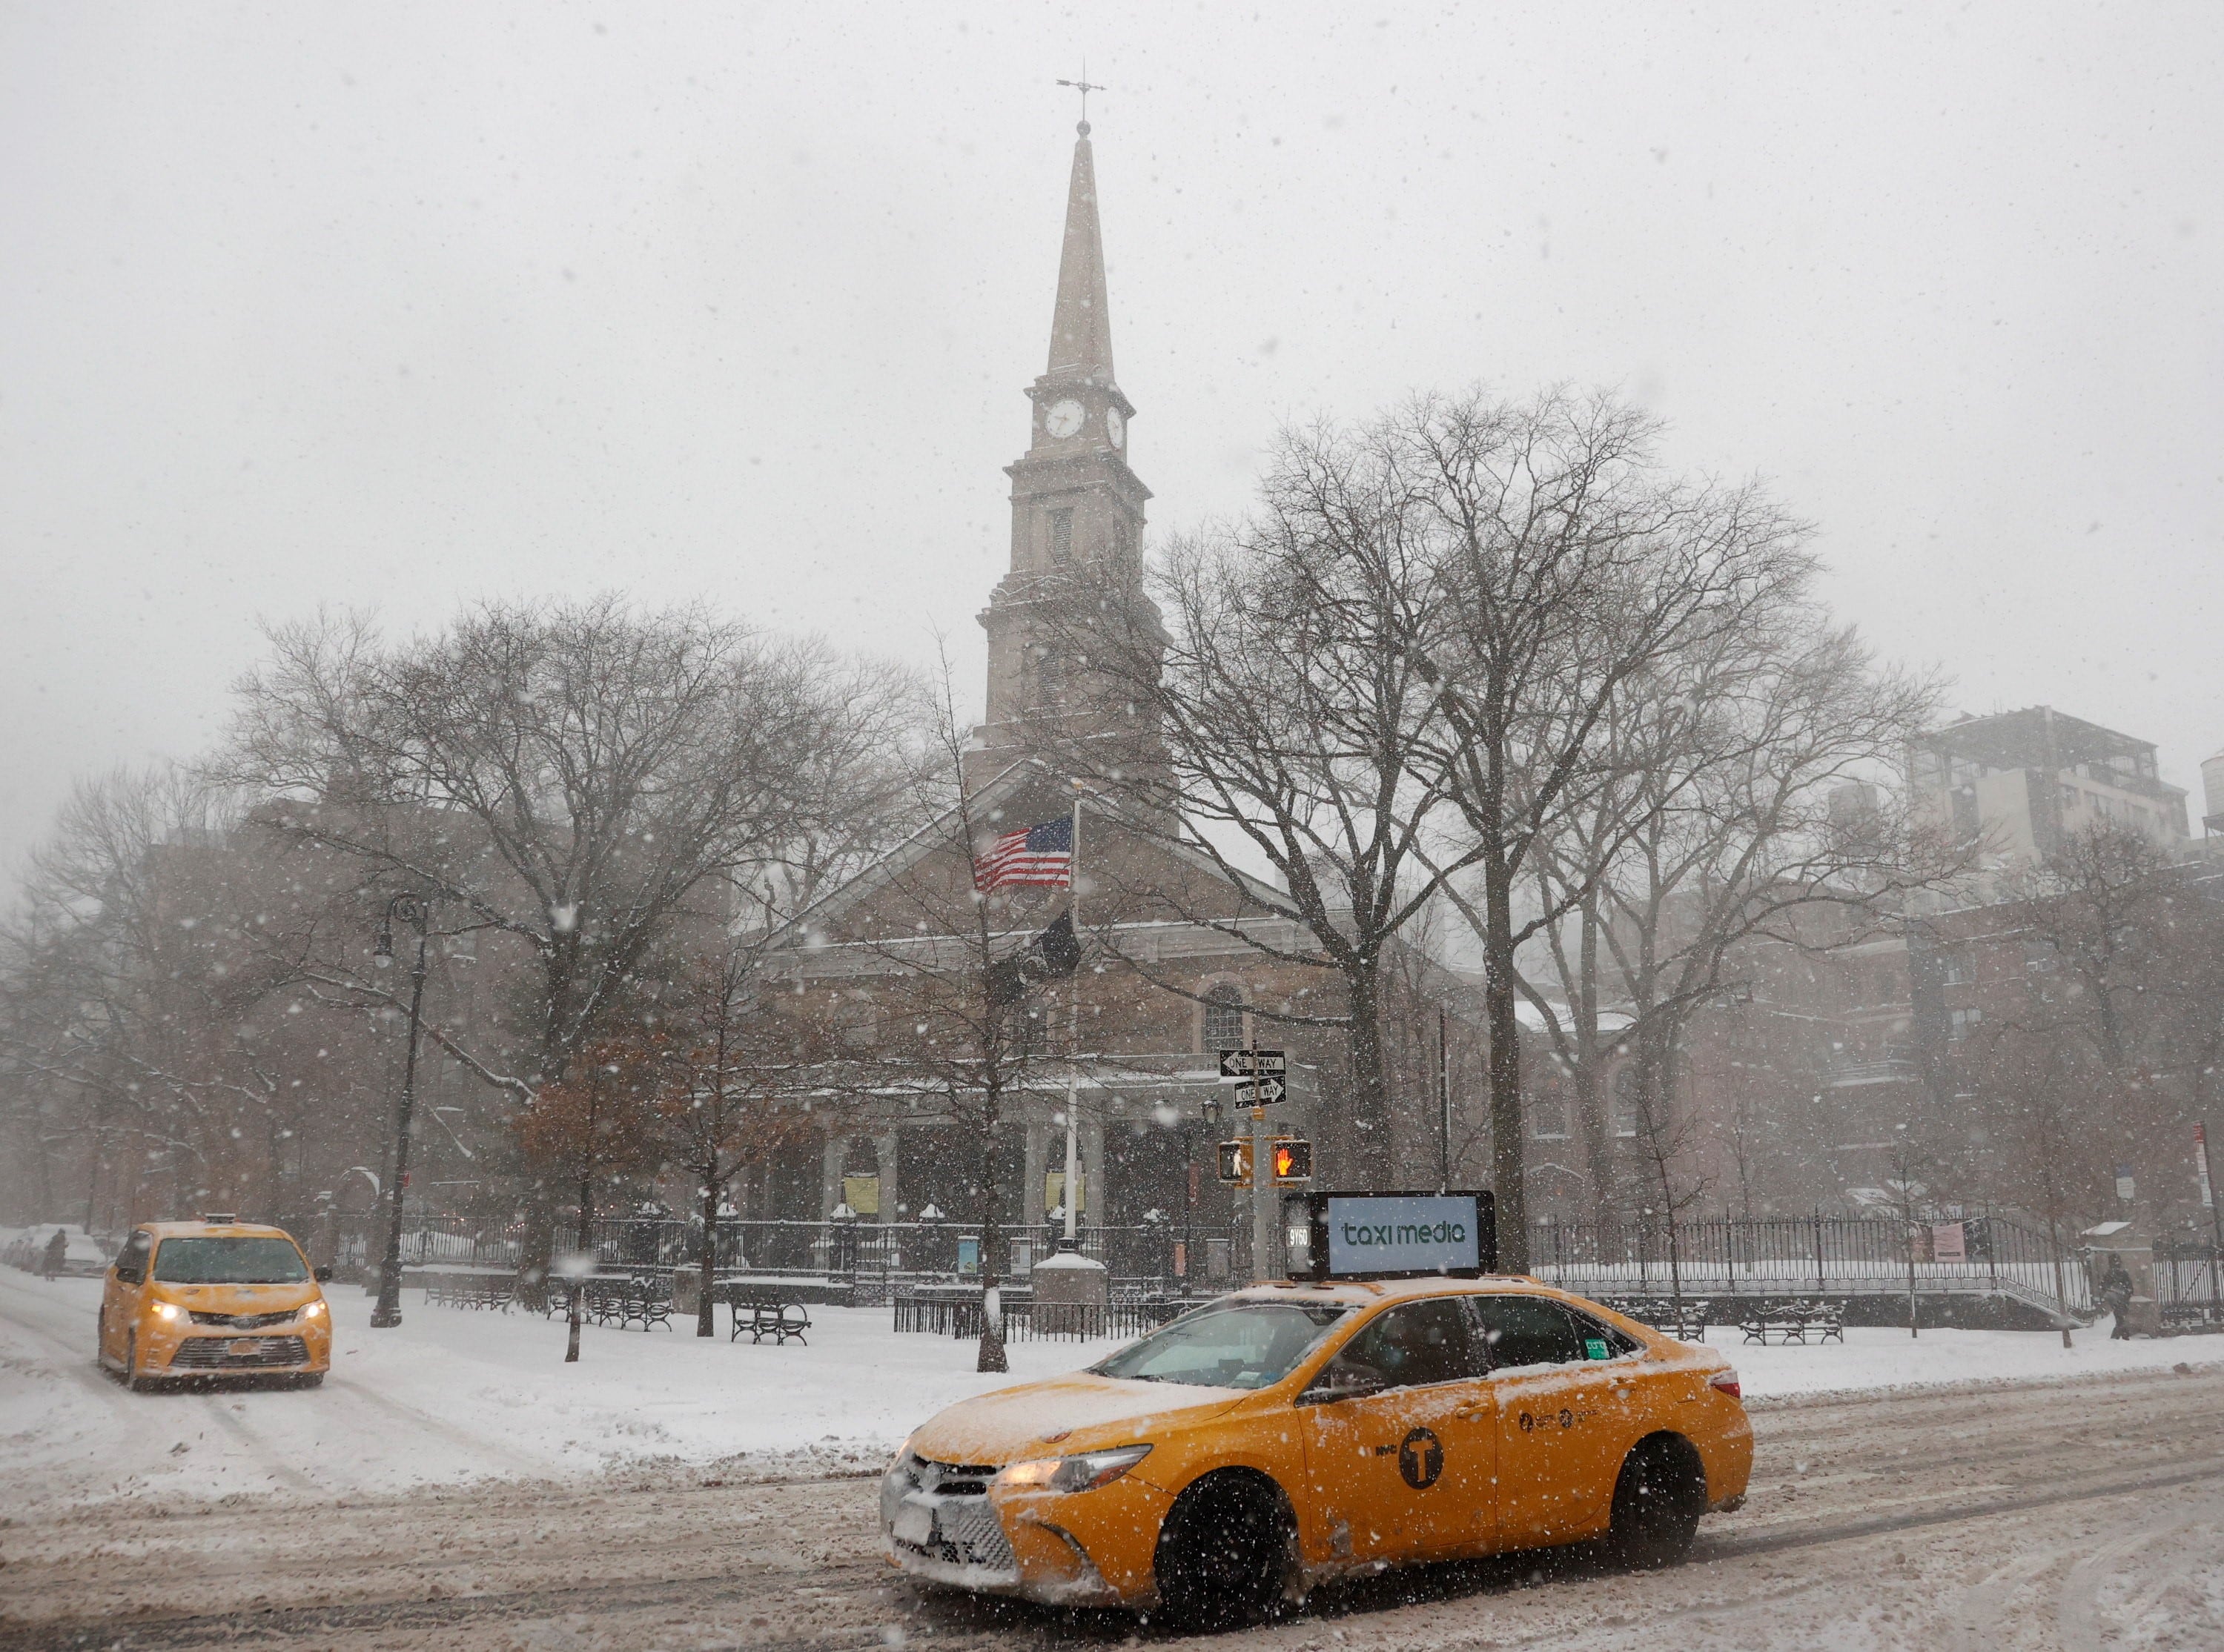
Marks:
<point>1261,703</point>
<point>598,1123</point>
<point>958,1021</point>
<point>2039,1095</point>
<point>728,1102</point>
<point>1736,804</point>
<point>565,778</point>
<point>1565,568</point>
<point>135,1000</point>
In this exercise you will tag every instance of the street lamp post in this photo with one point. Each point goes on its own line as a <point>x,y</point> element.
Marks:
<point>417,913</point>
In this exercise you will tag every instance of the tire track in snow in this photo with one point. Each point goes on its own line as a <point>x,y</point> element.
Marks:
<point>519,1464</point>
<point>856,1579</point>
<point>1730,1549</point>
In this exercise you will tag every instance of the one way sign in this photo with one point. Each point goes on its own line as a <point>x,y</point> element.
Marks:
<point>1245,1063</point>
<point>1260,1091</point>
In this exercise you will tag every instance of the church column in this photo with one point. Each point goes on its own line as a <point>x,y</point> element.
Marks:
<point>886,1145</point>
<point>1038,1166</point>
<point>1095,1210</point>
<point>834,1160</point>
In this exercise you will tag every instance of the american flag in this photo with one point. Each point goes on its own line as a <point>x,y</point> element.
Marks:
<point>1040,854</point>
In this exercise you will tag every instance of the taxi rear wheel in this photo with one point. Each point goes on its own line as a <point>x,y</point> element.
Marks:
<point>1658,1502</point>
<point>1224,1553</point>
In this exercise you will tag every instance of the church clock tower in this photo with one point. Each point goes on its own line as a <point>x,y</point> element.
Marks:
<point>1073,497</point>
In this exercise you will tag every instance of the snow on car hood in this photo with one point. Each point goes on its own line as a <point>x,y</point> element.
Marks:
<point>1062,1416</point>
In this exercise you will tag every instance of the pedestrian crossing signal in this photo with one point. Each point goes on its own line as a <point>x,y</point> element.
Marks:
<point>1291,1158</point>
<point>1236,1164</point>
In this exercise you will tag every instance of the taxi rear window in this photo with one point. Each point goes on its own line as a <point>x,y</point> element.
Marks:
<point>229,1262</point>
<point>1243,1345</point>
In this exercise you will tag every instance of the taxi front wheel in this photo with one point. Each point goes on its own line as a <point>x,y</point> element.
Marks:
<point>1225,1553</point>
<point>136,1380</point>
<point>1658,1502</point>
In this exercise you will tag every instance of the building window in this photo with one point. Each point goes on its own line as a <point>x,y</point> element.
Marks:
<point>1548,1111</point>
<point>1624,1101</point>
<point>1029,1036</point>
<point>1960,1022</point>
<point>858,1026</point>
<point>1061,536</point>
<point>1959,967</point>
<point>1223,1018</point>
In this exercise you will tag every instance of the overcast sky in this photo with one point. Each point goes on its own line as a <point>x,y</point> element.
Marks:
<point>403,306</point>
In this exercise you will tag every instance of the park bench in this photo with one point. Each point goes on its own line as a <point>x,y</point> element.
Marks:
<point>768,1316</point>
<point>622,1303</point>
<point>1687,1324</point>
<point>2179,1319</point>
<point>469,1290</point>
<point>646,1302</point>
<point>1800,1322</point>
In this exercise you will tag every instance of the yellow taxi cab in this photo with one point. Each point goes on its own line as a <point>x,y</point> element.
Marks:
<point>1290,1433</point>
<point>212,1298</point>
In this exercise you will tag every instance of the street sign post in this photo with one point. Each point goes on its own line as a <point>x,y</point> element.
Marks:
<point>1258,1075</point>
<point>1236,1064</point>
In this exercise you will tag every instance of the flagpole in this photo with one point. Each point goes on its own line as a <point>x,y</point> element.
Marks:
<point>1074,1052</point>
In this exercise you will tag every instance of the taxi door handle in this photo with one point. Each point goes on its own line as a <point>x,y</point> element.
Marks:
<point>1469,1413</point>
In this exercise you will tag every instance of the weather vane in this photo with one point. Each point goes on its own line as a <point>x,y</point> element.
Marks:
<point>1084,86</point>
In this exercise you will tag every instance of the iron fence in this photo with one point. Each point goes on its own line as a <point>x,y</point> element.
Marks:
<point>1720,1258</point>
<point>956,1312</point>
<point>2189,1285</point>
<point>873,1257</point>
<point>1836,1256</point>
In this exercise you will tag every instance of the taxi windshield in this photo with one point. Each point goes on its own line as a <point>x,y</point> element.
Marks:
<point>1241,1345</point>
<point>229,1262</point>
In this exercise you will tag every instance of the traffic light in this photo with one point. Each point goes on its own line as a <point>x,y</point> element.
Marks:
<point>1293,1160</point>
<point>1236,1164</point>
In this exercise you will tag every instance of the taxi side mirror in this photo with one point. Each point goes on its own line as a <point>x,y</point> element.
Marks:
<point>1343,1383</point>
<point>129,1277</point>
<point>324,1275</point>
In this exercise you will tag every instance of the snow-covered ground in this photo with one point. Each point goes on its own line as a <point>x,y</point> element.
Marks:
<point>455,1395</point>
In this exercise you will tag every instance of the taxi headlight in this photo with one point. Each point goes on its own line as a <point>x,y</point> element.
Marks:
<point>1082,1473</point>
<point>314,1310</point>
<point>171,1313</point>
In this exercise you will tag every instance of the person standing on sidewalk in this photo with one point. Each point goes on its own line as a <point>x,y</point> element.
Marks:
<point>57,1252</point>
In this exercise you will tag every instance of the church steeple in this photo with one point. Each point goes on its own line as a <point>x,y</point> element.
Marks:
<point>1081,326</point>
<point>1073,497</point>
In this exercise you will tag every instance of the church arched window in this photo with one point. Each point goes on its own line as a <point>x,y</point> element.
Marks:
<point>1223,1018</point>
<point>1061,536</point>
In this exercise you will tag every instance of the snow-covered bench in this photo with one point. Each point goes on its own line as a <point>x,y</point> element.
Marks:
<point>1800,1322</point>
<point>768,1316</point>
<point>471,1289</point>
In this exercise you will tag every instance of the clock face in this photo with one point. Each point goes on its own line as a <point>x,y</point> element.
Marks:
<point>1063,418</point>
<point>1114,425</point>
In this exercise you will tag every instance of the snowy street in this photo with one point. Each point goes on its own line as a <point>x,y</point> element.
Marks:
<point>679,1494</point>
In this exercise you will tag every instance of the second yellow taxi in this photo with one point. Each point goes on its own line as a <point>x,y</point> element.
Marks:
<point>1292,1433</point>
<point>217,1297</point>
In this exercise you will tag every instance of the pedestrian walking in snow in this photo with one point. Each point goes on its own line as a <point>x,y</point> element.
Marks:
<point>2116,1297</point>
<point>57,1252</point>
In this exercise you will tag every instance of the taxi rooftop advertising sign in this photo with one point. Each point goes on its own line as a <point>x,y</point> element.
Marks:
<point>1399,1235</point>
